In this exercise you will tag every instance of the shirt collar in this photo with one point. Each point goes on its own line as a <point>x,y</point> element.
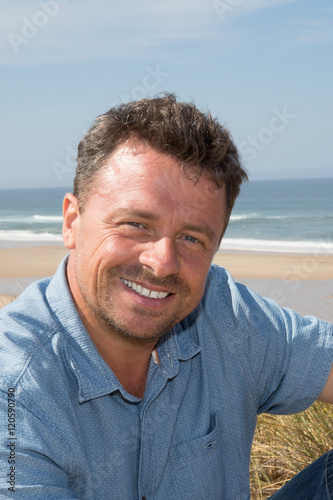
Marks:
<point>95,378</point>
<point>93,375</point>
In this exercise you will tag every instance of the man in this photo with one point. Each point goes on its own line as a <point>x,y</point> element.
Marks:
<point>138,370</point>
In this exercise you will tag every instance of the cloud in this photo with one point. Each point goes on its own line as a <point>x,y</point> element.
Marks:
<point>245,7</point>
<point>294,28</point>
<point>314,31</point>
<point>55,31</point>
<point>60,30</point>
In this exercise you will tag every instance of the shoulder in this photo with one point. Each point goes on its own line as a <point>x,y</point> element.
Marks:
<point>236,299</point>
<point>233,314</point>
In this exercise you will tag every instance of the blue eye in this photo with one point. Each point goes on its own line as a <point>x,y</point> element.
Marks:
<point>136,224</point>
<point>191,239</point>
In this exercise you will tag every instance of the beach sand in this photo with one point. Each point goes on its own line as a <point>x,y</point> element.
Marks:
<point>302,282</point>
<point>27,262</point>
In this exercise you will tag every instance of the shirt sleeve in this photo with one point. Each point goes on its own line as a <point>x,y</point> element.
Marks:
<point>31,456</point>
<point>287,356</point>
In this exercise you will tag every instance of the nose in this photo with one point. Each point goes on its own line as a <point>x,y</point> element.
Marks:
<point>161,257</point>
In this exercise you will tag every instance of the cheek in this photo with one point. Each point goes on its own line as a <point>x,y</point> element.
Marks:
<point>102,245</point>
<point>118,249</point>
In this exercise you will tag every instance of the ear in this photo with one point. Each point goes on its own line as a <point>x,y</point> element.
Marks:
<point>71,216</point>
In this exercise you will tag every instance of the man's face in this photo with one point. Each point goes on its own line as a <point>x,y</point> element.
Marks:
<point>142,247</point>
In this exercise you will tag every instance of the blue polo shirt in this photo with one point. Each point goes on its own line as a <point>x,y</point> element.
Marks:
<point>79,435</point>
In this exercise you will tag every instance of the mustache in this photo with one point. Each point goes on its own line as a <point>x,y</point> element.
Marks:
<point>136,272</point>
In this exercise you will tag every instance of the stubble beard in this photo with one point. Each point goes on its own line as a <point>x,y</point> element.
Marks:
<point>114,326</point>
<point>117,328</point>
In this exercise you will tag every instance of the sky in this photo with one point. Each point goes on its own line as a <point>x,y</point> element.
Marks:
<point>262,67</point>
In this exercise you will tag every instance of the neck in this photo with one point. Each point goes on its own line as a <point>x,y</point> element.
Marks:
<point>129,360</point>
<point>128,357</point>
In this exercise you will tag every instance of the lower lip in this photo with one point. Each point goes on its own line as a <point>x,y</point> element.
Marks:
<point>146,301</point>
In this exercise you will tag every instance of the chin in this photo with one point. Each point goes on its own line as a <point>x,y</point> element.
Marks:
<point>122,330</point>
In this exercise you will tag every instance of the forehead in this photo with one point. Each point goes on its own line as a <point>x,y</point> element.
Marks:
<point>137,168</point>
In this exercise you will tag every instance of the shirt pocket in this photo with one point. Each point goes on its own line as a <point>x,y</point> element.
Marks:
<point>197,466</point>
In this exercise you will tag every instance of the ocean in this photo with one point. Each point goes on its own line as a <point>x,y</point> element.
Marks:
<point>292,216</point>
<point>31,216</point>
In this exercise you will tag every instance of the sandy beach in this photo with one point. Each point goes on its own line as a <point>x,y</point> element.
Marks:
<point>302,282</point>
<point>24,262</point>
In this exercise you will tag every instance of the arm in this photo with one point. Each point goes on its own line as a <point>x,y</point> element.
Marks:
<point>327,394</point>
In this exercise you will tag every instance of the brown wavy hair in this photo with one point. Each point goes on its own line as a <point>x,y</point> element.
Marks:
<point>179,129</point>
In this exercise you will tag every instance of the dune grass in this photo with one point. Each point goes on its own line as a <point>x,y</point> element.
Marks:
<point>284,445</point>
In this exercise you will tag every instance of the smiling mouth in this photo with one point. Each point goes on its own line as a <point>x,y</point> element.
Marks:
<point>144,292</point>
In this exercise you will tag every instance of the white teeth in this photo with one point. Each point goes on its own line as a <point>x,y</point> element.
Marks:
<point>144,291</point>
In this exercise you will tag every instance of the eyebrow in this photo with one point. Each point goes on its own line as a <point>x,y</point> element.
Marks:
<point>142,214</point>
